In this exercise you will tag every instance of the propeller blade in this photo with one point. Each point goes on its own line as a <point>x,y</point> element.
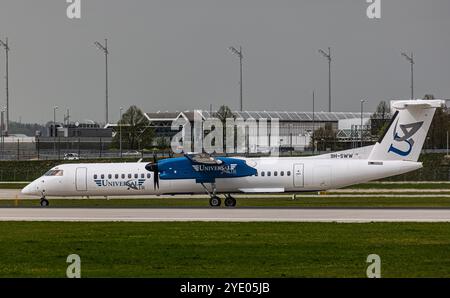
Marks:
<point>153,167</point>
<point>156,172</point>
<point>156,178</point>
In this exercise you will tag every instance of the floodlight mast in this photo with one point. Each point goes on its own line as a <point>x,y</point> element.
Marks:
<point>6,47</point>
<point>411,61</point>
<point>104,49</point>
<point>314,123</point>
<point>328,57</point>
<point>55,131</point>
<point>120,130</point>
<point>240,55</point>
<point>2,125</point>
<point>362,131</point>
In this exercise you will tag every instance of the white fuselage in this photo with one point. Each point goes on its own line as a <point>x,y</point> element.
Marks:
<point>275,174</point>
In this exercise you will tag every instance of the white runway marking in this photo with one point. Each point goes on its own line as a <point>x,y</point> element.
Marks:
<point>225,215</point>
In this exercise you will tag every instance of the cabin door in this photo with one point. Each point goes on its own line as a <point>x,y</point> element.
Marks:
<point>299,177</point>
<point>81,179</point>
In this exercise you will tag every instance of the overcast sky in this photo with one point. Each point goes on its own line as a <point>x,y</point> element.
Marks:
<point>173,54</point>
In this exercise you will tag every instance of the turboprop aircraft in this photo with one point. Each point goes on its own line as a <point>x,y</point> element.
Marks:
<point>396,152</point>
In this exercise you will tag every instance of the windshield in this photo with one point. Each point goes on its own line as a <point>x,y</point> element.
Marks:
<point>54,173</point>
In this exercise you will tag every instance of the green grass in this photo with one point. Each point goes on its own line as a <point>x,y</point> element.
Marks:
<point>213,249</point>
<point>397,193</point>
<point>12,185</point>
<point>404,185</point>
<point>241,202</point>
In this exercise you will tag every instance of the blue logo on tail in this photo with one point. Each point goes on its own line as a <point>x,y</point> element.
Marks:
<point>408,131</point>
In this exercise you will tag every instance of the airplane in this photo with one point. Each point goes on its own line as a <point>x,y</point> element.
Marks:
<point>396,152</point>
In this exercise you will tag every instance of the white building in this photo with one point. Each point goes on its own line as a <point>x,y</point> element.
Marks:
<point>295,128</point>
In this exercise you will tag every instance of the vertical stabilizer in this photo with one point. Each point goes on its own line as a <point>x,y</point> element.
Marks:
<point>404,138</point>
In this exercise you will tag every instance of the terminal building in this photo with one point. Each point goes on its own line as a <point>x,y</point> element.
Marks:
<point>296,128</point>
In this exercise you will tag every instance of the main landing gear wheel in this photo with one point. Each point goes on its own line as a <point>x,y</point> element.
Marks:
<point>44,202</point>
<point>230,201</point>
<point>215,201</point>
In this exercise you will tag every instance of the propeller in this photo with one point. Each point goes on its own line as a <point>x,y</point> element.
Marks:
<point>153,167</point>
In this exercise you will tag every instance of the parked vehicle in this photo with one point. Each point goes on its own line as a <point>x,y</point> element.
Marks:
<point>71,156</point>
<point>132,153</point>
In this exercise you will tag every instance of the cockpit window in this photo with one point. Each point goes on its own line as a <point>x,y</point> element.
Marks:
<point>54,173</point>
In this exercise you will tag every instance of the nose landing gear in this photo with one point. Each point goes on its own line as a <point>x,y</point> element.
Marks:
<point>44,201</point>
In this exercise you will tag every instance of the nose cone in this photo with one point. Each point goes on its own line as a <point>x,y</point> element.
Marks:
<point>30,189</point>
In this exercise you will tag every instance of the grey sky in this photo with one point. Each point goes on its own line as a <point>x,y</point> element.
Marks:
<point>173,55</point>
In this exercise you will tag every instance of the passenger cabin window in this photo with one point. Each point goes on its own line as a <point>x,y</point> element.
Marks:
<point>116,176</point>
<point>109,176</point>
<point>262,173</point>
<point>123,176</point>
<point>282,173</point>
<point>288,173</point>
<point>54,173</point>
<point>269,173</point>
<point>275,173</point>
<point>142,176</point>
<point>136,176</point>
<point>148,175</point>
<point>102,176</point>
<point>129,176</point>
<point>95,176</point>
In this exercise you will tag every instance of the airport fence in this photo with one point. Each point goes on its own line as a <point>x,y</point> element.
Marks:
<point>424,174</point>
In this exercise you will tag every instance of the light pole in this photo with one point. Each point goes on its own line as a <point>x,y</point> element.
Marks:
<point>411,61</point>
<point>120,131</point>
<point>314,123</point>
<point>241,56</point>
<point>104,49</point>
<point>2,124</point>
<point>54,129</point>
<point>5,45</point>
<point>67,117</point>
<point>328,57</point>
<point>362,103</point>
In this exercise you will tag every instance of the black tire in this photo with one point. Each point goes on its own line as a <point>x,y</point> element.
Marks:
<point>44,203</point>
<point>230,202</point>
<point>215,201</point>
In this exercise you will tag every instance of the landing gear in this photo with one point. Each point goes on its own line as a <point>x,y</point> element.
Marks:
<point>230,201</point>
<point>44,202</point>
<point>215,201</point>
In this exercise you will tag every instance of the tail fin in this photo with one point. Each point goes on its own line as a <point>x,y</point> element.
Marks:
<point>404,138</point>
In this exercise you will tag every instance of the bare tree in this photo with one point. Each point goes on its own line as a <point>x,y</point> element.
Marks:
<point>135,131</point>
